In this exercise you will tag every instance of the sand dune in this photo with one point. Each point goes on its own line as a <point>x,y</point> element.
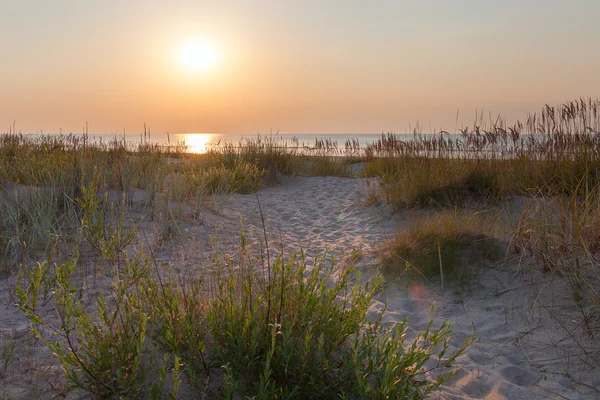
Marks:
<point>524,349</point>
<point>521,351</point>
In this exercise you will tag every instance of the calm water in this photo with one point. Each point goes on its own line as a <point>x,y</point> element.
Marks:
<point>201,142</point>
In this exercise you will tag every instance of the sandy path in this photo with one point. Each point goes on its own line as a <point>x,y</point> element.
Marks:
<point>316,214</point>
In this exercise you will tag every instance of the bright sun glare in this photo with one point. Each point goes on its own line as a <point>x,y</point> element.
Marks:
<point>198,56</point>
<point>198,142</point>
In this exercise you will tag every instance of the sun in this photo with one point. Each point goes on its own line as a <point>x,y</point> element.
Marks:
<point>198,56</point>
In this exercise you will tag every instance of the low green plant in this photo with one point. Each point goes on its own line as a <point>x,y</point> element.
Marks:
<point>177,312</point>
<point>99,352</point>
<point>105,237</point>
<point>285,331</point>
<point>301,335</point>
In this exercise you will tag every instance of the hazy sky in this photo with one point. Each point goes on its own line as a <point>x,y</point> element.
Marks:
<point>293,66</point>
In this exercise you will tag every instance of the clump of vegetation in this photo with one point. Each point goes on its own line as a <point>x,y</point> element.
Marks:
<point>277,157</point>
<point>296,336</point>
<point>443,246</point>
<point>31,219</point>
<point>100,352</point>
<point>553,152</point>
<point>269,153</point>
<point>418,181</point>
<point>242,177</point>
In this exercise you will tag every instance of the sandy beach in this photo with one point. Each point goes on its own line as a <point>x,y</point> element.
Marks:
<point>524,347</point>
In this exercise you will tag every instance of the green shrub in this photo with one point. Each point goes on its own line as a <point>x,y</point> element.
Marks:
<point>101,233</point>
<point>177,316</point>
<point>300,335</point>
<point>99,352</point>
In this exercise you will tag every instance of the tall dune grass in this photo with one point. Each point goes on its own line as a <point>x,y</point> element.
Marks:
<point>556,151</point>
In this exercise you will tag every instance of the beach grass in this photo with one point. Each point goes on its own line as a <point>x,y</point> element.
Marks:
<point>561,237</point>
<point>448,246</point>
<point>421,182</point>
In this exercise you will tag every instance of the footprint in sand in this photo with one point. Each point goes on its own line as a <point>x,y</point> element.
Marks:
<point>478,388</point>
<point>518,376</point>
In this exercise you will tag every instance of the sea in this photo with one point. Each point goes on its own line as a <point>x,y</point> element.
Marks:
<point>202,142</point>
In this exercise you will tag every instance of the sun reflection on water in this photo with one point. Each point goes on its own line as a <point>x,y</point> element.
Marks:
<point>199,142</point>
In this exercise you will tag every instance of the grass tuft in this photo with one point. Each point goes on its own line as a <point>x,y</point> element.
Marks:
<point>449,243</point>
